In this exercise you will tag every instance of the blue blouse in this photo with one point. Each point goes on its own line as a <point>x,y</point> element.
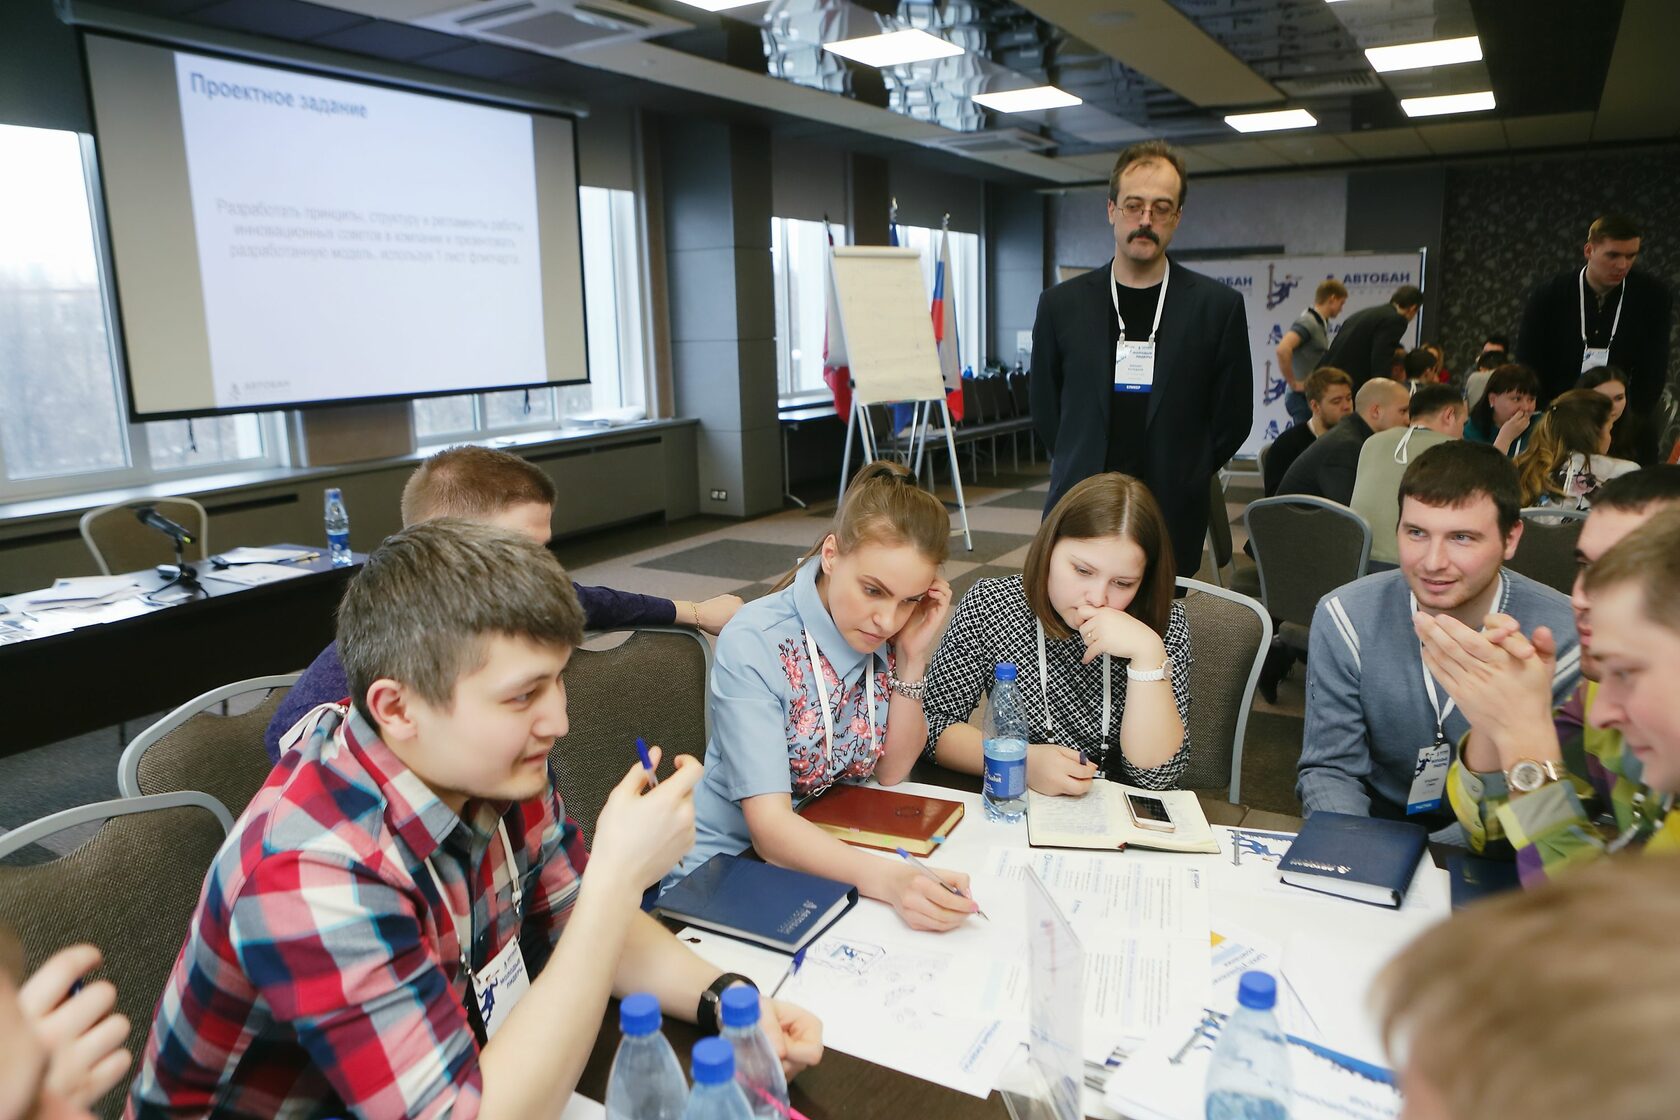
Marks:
<point>767,731</point>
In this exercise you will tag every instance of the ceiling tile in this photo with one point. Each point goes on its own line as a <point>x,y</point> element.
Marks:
<point>1386,143</point>
<point>384,39</point>
<point>1240,155</point>
<point>285,19</point>
<point>1548,130</point>
<point>1310,147</point>
<point>1463,136</point>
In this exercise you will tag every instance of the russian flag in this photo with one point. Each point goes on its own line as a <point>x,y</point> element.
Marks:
<point>945,328</point>
<point>837,373</point>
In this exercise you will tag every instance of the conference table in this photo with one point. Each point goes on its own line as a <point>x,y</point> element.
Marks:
<point>95,676</point>
<point>843,1087</point>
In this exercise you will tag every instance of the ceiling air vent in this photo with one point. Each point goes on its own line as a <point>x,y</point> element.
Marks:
<point>1327,85</point>
<point>994,140</point>
<point>557,27</point>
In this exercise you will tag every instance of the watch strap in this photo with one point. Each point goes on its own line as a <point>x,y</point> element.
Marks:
<point>706,1013</point>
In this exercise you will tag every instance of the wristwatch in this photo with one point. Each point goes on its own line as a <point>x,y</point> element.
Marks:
<point>1527,775</point>
<point>1150,674</point>
<point>910,690</point>
<point>706,1014</point>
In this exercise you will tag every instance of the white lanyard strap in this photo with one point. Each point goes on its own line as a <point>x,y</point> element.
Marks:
<point>1400,453</point>
<point>1044,688</point>
<point>1161,302</point>
<point>822,698</point>
<point>1621,301</point>
<point>1441,713</point>
<point>464,941</point>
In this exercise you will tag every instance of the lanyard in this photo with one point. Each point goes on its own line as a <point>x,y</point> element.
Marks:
<point>1621,301</point>
<point>461,941</point>
<point>1401,456</point>
<point>822,698</point>
<point>1441,713</point>
<point>1044,686</point>
<point>1160,302</point>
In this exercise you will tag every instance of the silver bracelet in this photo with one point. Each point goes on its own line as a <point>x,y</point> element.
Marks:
<point>916,691</point>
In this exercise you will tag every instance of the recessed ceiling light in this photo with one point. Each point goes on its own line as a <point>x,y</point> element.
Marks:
<point>1271,122</point>
<point>1417,56</point>
<point>720,5</point>
<point>1026,100</point>
<point>1448,103</point>
<point>894,48</point>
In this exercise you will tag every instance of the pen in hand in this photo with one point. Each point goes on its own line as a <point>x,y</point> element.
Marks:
<point>923,868</point>
<point>647,762</point>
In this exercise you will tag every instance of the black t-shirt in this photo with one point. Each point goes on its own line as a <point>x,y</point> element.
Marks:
<point>1282,454</point>
<point>1128,413</point>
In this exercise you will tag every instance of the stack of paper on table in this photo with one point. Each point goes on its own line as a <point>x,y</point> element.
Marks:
<point>254,575</point>
<point>244,555</point>
<point>83,591</point>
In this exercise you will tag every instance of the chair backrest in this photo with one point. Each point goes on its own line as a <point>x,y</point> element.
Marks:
<point>994,392</point>
<point>651,686</point>
<point>1304,546</point>
<point>131,889</point>
<point>196,747</point>
<point>1229,636</point>
<point>1546,552</point>
<point>1219,523</point>
<point>1022,395</point>
<point>973,408</point>
<point>119,542</point>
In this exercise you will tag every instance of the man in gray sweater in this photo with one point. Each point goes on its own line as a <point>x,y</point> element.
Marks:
<point>1378,738</point>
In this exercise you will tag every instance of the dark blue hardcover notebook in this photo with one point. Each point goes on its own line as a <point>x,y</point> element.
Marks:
<point>1362,858</point>
<point>1477,877</point>
<point>757,902</point>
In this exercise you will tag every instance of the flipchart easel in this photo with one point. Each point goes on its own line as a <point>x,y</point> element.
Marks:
<point>889,344</point>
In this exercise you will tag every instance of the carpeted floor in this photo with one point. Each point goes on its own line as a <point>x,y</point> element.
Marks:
<point>705,556</point>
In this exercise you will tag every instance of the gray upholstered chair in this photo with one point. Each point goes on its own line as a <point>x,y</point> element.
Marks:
<point>195,747</point>
<point>652,686</point>
<point>1229,569</point>
<point>130,888</point>
<point>1304,546</point>
<point>119,542</point>
<point>1546,551</point>
<point>1229,636</point>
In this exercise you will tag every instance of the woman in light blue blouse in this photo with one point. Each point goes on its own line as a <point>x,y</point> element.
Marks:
<point>821,681</point>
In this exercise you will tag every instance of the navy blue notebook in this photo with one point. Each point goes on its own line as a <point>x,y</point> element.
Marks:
<point>1362,858</point>
<point>1476,877</point>
<point>757,902</point>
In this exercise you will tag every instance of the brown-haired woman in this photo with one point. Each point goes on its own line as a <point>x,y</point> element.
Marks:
<point>821,681</point>
<point>1566,460</point>
<point>1097,587</point>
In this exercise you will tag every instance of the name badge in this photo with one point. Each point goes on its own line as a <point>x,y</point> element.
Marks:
<point>1592,357</point>
<point>1429,778</point>
<point>499,985</point>
<point>1134,367</point>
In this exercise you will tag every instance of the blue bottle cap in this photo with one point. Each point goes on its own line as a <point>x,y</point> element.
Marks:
<point>334,492</point>
<point>1257,990</point>
<point>714,1062</point>
<point>740,1006</point>
<point>1005,671</point>
<point>638,1014</point>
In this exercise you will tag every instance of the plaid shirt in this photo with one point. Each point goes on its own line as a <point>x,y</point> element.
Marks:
<point>1604,805</point>
<point>321,975</point>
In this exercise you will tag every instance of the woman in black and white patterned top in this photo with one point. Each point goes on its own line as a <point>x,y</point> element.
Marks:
<point>1102,649</point>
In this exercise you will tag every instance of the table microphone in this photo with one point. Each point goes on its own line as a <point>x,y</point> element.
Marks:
<point>149,516</point>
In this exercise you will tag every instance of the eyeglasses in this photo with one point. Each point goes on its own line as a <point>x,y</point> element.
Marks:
<point>1160,210</point>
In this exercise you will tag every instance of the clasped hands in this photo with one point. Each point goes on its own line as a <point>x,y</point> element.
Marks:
<point>1501,681</point>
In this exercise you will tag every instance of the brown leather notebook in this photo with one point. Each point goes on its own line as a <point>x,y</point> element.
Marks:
<point>871,817</point>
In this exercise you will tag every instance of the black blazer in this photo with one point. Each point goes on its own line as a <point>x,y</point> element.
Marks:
<point>1364,347</point>
<point>1550,337</point>
<point>1200,410</point>
<point>1328,468</point>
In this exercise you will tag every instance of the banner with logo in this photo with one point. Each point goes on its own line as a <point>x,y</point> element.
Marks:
<point>1276,290</point>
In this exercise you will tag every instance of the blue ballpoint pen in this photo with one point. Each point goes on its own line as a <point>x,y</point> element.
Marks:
<point>924,869</point>
<point>647,762</point>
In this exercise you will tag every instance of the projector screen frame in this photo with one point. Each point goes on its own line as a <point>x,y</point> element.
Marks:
<point>430,86</point>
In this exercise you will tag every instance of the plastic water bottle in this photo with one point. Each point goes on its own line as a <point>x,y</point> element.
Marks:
<point>338,529</point>
<point>1249,1077</point>
<point>1005,793</point>
<point>757,1069</point>
<point>647,1081</point>
<point>715,1095</point>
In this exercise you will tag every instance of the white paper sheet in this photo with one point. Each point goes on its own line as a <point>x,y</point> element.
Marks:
<point>1105,891</point>
<point>83,589</point>
<point>253,575</point>
<point>764,967</point>
<point>244,555</point>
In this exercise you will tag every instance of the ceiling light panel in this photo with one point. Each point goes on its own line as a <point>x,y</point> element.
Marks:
<point>1026,100</point>
<point>1419,56</point>
<point>1271,122</point>
<point>895,48</point>
<point>1449,103</point>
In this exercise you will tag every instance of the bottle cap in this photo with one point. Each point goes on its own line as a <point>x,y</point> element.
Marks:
<point>1257,990</point>
<point>714,1062</point>
<point>638,1014</point>
<point>1005,671</point>
<point>740,1006</point>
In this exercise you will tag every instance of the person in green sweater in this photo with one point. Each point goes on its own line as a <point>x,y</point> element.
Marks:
<point>1437,415</point>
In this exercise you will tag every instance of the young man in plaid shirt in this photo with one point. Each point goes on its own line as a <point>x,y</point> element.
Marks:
<point>361,945</point>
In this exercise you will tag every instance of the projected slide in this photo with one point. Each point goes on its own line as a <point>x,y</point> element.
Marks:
<point>325,203</point>
<point>281,237</point>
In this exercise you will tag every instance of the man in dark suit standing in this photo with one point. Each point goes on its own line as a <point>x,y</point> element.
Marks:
<point>1365,346</point>
<point>1603,313</point>
<point>1143,366</point>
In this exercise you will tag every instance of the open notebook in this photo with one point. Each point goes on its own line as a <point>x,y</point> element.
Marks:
<point>1100,820</point>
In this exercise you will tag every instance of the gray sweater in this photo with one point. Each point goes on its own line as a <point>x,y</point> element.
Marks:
<point>1368,714</point>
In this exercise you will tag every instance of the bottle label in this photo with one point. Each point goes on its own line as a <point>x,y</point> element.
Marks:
<point>1006,778</point>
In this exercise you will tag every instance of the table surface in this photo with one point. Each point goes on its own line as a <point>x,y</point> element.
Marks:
<point>843,1086</point>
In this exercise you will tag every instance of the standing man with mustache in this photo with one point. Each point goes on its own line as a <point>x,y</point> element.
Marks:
<point>1143,366</point>
<point>1602,313</point>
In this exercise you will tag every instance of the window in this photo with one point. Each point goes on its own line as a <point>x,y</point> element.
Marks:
<point>799,255</point>
<point>612,310</point>
<point>62,426</point>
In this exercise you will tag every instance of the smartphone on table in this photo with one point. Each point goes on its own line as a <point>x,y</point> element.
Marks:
<point>1150,812</point>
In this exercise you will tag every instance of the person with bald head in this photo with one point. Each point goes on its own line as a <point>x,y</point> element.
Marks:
<point>1328,468</point>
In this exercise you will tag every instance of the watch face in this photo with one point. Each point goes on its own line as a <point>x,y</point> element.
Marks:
<point>1526,776</point>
